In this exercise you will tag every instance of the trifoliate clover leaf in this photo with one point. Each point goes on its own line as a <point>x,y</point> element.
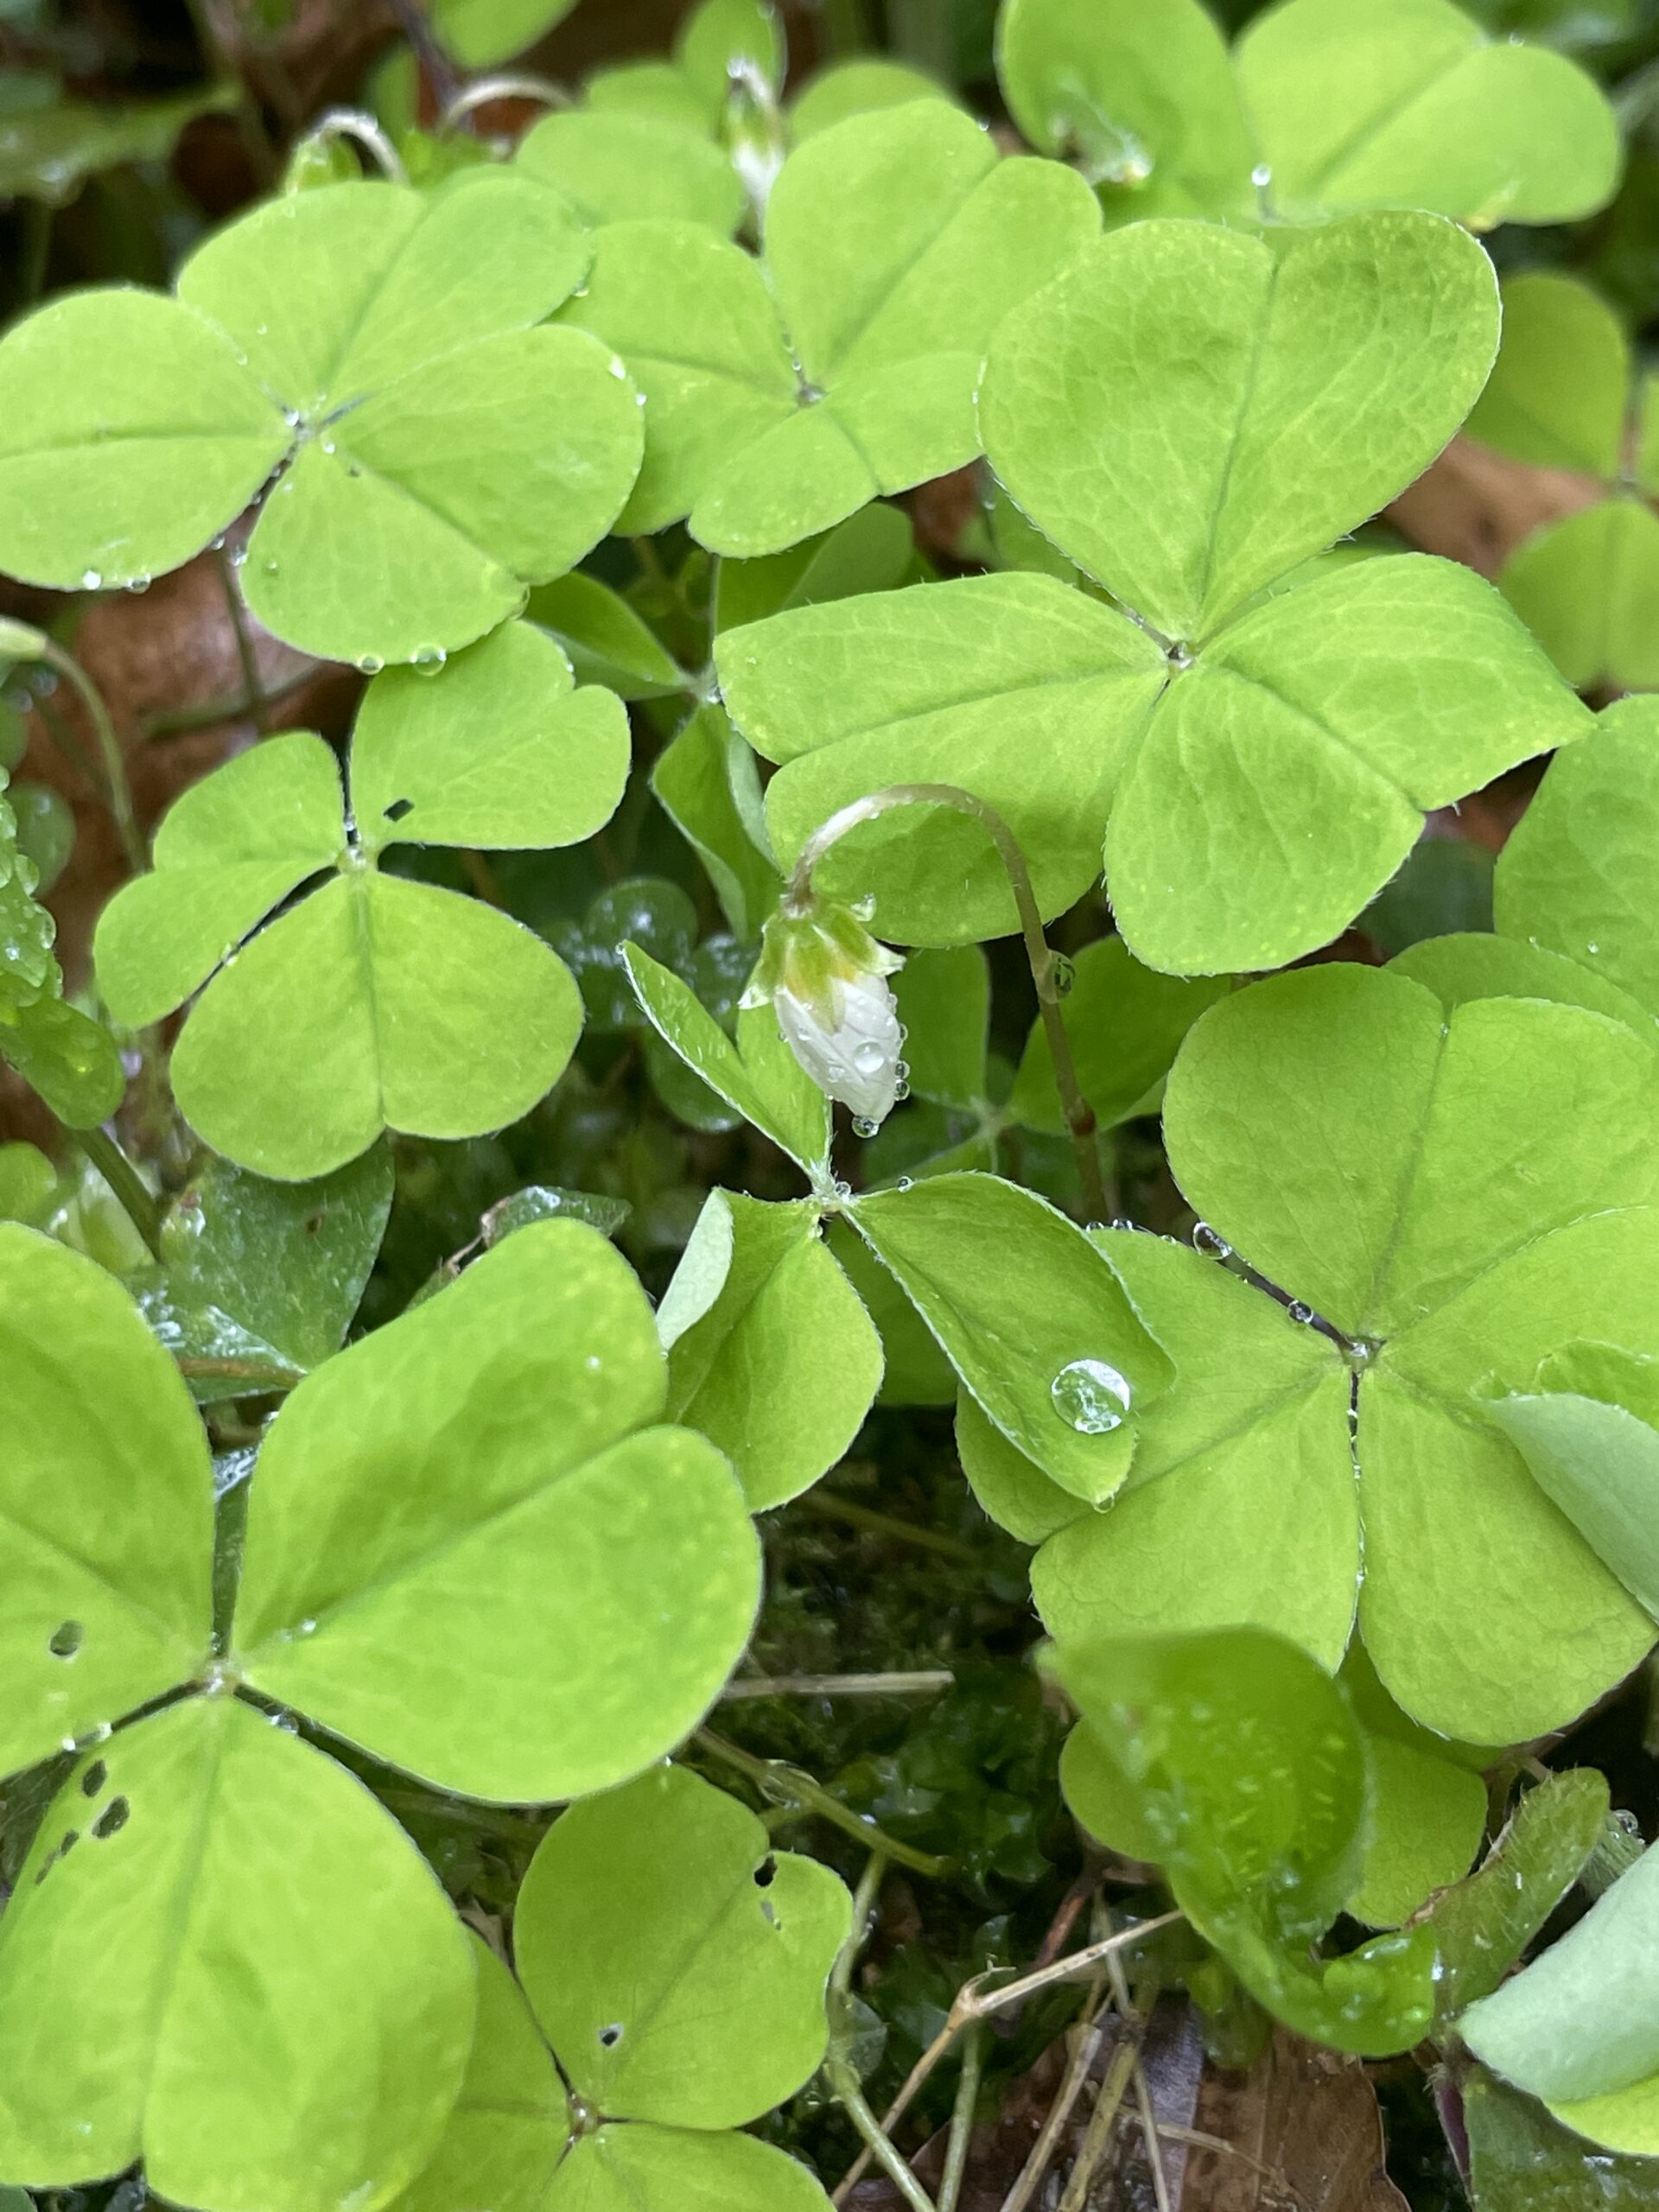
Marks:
<point>755,1072</point>
<point>106,1499</point>
<point>1414,105</point>
<point>1588,1430</point>
<point>675,1964</point>
<point>1563,395</point>
<point>771,1354</point>
<point>613,166</point>
<point>1579,877</point>
<point>482,34</point>
<point>53,144</point>
<point>706,781</point>
<point>1320,109</point>
<point>65,1057</point>
<point>1237,1764</point>
<point>1450,1197</point>
<point>1126,1023</point>
<point>260,1272</point>
<point>1559,395</point>
<point>411,1007</point>
<point>963,682</point>
<point>511,2124</point>
<point>209,1897</point>
<point>782,397</point>
<point>1520,2157</point>
<point>541,1618</point>
<point>1579,2027</point>
<point>1140,92</point>
<point>1213,744</point>
<point>243,1943</point>
<point>1034,1320</point>
<point>1588,589</point>
<point>858,86</point>
<point>380,353</point>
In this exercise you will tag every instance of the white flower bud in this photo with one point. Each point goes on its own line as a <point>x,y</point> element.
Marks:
<point>854,1056</point>
<point>825,977</point>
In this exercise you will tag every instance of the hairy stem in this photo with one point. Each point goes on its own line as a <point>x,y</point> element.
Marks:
<point>778,1781</point>
<point>1079,1113</point>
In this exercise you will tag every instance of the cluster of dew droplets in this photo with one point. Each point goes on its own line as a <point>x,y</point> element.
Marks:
<point>867,1059</point>
<point>1090,1396</point>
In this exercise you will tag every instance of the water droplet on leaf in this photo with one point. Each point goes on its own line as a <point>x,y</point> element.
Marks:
<point>1090,1396</point>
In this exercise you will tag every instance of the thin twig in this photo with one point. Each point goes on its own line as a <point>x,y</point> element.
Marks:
<point>1077,1965</point>
<point>136,1200</point>
<point>973,2004</point>
<point>1102,2121</point>
<point>1149,2128</point>
<point>921,1683</point>
<point>1086,2045</point>
<point>777,1781</point>
<point>1044,963</point>
<point>962,2119</point>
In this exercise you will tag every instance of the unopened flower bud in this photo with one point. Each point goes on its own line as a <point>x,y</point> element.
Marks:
<point>825,977</point>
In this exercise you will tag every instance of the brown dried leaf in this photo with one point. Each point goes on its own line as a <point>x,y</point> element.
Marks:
<point>1475,506</point>
<point>1306,2133</point>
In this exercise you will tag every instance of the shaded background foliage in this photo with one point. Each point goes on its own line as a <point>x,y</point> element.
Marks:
<point>126,131</point>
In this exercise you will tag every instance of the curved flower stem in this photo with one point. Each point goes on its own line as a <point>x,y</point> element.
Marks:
<point>1079,1113</point>
<point>357,125</point>
<point>118,791</point>
<point>513,86</point>
<point>778,1781</point>
<point>136,1200</point>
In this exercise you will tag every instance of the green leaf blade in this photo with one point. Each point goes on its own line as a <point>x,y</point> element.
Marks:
<point>107,1497</point>
<point>239,1947</point>
<point>528,1557</point>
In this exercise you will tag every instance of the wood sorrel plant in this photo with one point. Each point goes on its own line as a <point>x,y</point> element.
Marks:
<point>448,1343</point>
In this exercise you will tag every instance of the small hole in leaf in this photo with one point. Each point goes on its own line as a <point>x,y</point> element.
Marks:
<point>767,1872</point>
<point>611,2036</point>
<point>113,1818</point>
<point>398,808</point>
<point>312,1222</point>
<point>64,1640</point>
<point>94,1778</point>
<point>68,1841</point>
